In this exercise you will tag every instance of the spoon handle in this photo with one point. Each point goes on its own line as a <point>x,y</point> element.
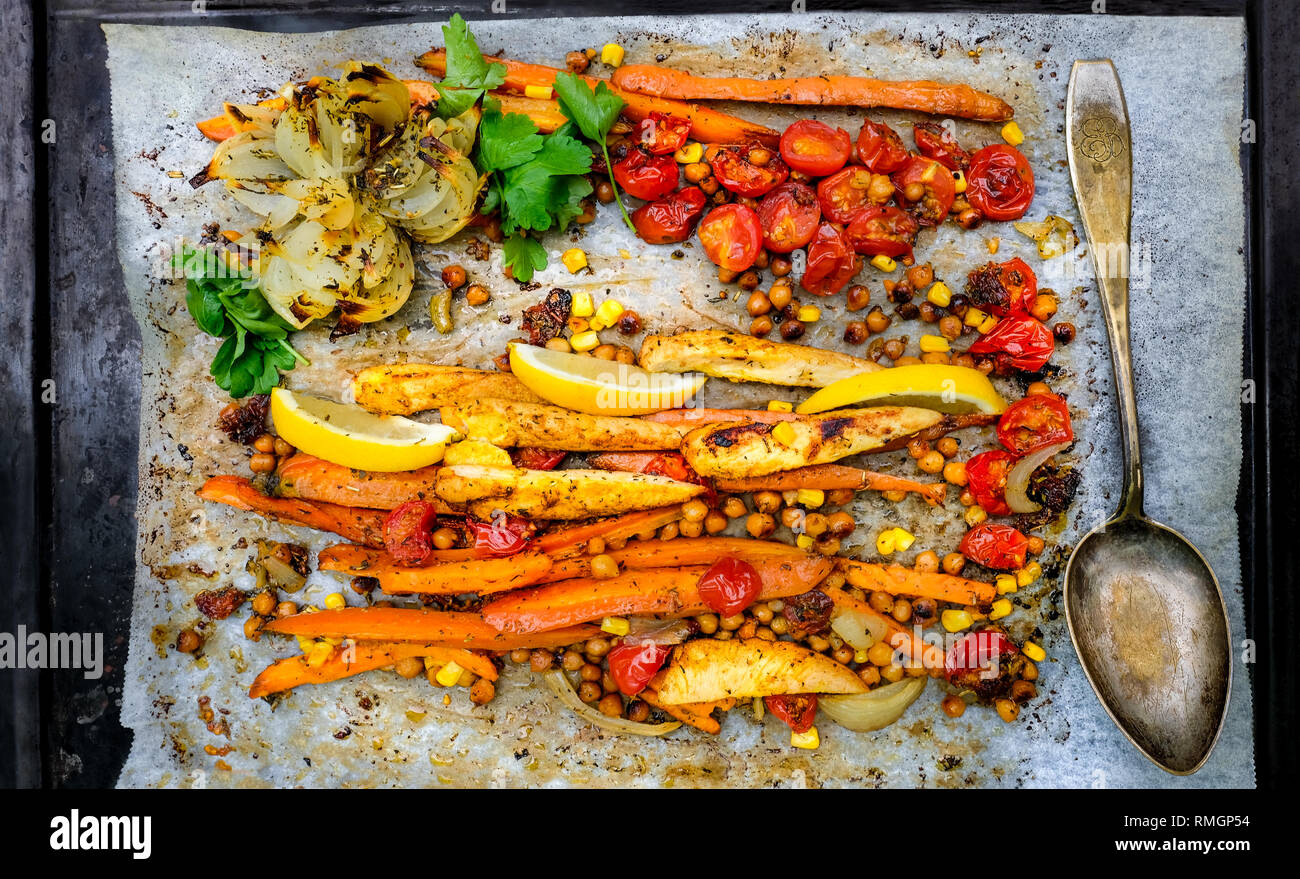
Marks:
<point>1099,147</point>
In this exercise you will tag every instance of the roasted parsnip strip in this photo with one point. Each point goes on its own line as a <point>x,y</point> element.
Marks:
<point>739,357</point>
<point>507,423</point>
<point>558,494</point>
<point>407,388</point>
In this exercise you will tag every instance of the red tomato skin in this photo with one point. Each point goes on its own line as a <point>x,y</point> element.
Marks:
<point>730,586</point>
<point>935,142</point>
<point>1000,183</point>
<point>798,712</point>
<point>408,532</point>
<point>531,458</point>
<point>887,231</point>
<point>1003,288</point>
<point>815,148</point>
<point>1035,422</point>
<point>880,148</point>
<point>940,190</point>
<point>633,665</point>
<point>789,215</point>
<point>831,262</point>
<point>662,133</point>
<point>672,218</point>
<point>732,236</point>
<point>995,546</point>
<point>840,199</point>
<point>986,478</point>
<point>1026,342</point>
<point>975,650</point>
<point>503,536</point>
<point>737,174</point>
<point>644,176</point>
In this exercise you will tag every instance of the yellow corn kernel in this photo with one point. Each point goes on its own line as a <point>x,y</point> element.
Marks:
<point>932,344</point>
<point>783,433</point>
<point>1029,574</point>
<point>306,644</point>
<point>809,313</point>
<point>987,325</point>
<point>690,153</point>
<point>584,341</point>
<point>939,294</point>
<point>974,515</point>
<point>319,654</point>
<point>607,314</point>
<point>612,54</point>
<point>1001,608</point>
<point>884,263</point>
<point>449,674</point>
<point>574,259</point>
<point>974,317</point>
<point>810,497</point>
<point>859,656</point>
<point>1012,134</point>
<point>959,181</point>
<point>809,741</point>
<point>581,305</point>
<point>955,620</point>
<point>335,600</point>
<point>615,626</point>
<point>803,541</point>
<point>539,92</point>
<point>466,678</point>
<point>1033,651</point>
<point>779,406</point>
<point>885,542</point>
<point>1006,584</point>
<point>333,642</point>
<point>903,539</point>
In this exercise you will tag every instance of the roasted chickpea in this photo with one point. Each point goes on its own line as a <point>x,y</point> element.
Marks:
<point>732,623</point>
<point>881,602</point>
<point>767,501</point>
<point>857,298</point>
<point>760,525</point>
<point>669,531</point>
<point>840,524</point>
<point>715,522</point>
<point>590,672</point>
<point>758,304</point>
<point>914,191</point>
<point>955,472</point>
<point>253,628</point>
<point>1064,332</point>
<point>540,660</point>
<point>792,329</point>
<point>748,280</point>
<point>759,156</point>
<point>482,691</point>
<point>603,567</point>
<point>855,332</point>
<point>953,563</point>
<point>843,654</point>
<point>927,562</point>
<point>285,609</point>
<point>1007,709</point>
<point>1044,307</point>
<point>760,326</point>
<point>838,497</point>
<point>920,276</point>
<point>815,524</point>
<point>894,348</point>
<point>696,171</point>
<point>264,444</point>
<point>597,647</point>
<point>917,448</point>
<point>604,192</point>
<point>477,294</point>
<point>454,276</point>
<point>188,641</point>
<point>261,463</point>
<point>780,266</point>
<point>708,623</point>
<point>931,462</point>
<point>734,508</point>
<point>559,343</point>
<point>604,352</point>
<point>577,61</point>
<point>780,295</point>
<point>625,355</point>
<point>590,691</point>
<point>947,446</point>
<point>1036,544</point>
<point>878,321</point>
<point>869,674</point>
<point>1022,691</point>
<point>264,603</point>
<point>954,706</point>
<point>950,326</point>
<point>690,529</point>
<point>444,538</point>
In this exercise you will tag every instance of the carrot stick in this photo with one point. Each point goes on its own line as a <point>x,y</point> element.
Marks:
<point>696,714</point>
<point>441,628</point>
<point>358,525</point>
<point>942,99</point>
<point>285,674</point>
<point>567,540</point>
<point>899,637</point>
<point>829,477</point>
<point>679,417</point>
<point>898,580</point>
<point>683,551</point>
<point>545,114</point>
<point>449,577</point>
<point>302,476</point>
<point>708,126</point>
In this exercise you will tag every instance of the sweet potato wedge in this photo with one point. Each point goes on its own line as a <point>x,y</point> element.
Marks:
<point>441,577</point>
<point>739,357</point>
<point>508,423</point>
<point>557,494</point>
<point>407,388</point>
<point>308,478</point>
<point>706,670</point>
<point>358,525</point>
<point>293,671</point>
<point>441,628</point>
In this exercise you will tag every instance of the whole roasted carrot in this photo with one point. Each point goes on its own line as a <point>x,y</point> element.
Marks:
<point>442,577</point>
<point>684,551</point>
<point>293,671</point>
<point>441,628</point>
<point>835,91</point>
<point>898,580</point>
<point>302,476</point>
<point>829,477</point>
<point>364,526</point>
<point>568,540</point>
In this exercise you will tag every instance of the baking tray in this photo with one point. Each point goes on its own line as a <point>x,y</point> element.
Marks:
<point>72,322</point>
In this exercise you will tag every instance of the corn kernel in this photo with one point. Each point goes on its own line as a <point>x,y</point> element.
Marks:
<point>449,674</point>
<point>607,314</point>
<point>689,153</point>
<point>615,626</point>
<point>779,406</point>
<point>1029,574</point>
<point>581,305</point>
<point>809,313</point>
<point>859,656</point>
<point>932,344</point>
<point>809,741</point>
<point>1033,651</point>
<point>1006,584</point>
<point>539,92</point>
<point>939,294</point>
<point>974,515</point>
<point>956,620</point>
<point>803,541</point>
<point>306,644</point>
<point>987,325</point>
<point>974,317</point>
<point>884,263</point>
<point>335,600</point>
<point>1001,608</point>
<point>584,341</point>
<point>885,542</point>
<point>959,181</point>
<point>1012,134</point>
<point>612,54</point>
<point>574,259</point>
<point>783,433</point>
<point>466,678</point>
<point>319,654</point>
<point>903,539</point>
<point>810,497</point>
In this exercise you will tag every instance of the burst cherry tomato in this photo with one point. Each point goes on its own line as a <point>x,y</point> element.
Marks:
<point>503,536</point>
<point>1035,422</point>
<point>737,173</point>
<point>986,478</point>
<point>408,532</point>
<point>935,142</point>
<point>1002,288</point>
<point>978,656</point>
<point>732,236</point>
<point>670,219</point>
<point>995,546</point>
<point>831,262</point>
<point>642,175</point>
<point>633,665</point>
<point>938,191</point>
<point>530,458</point>
<point>880,148</point>
<point>815,148</point>
<point>1027,344</point>
<point>789,215</point>
<point>888,231</point>
<point>797,711</point>
<point>730,586</point>
<point>842,195</point>
<point>661,133</point>
<point>1000,184</point>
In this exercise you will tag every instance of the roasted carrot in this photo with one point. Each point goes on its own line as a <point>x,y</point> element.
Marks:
<point>696,714</point>
<point>567,540</point>
<point>442,577</point>
<point>441,628</point>
<point>696,417</point>
<point>285,674</point>
<point>661,591</point>
<point>944,99</point>
<point>232,121</point>
<point>708,126</point>
<point>898,580</point>
<point>677,553</point>
<point>359,525</point>
<point>946,425</point>
<point>308,478</point>
<point>899,636</point>
<point>829,477</point>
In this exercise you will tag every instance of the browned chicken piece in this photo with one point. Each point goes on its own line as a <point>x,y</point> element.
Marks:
<point>739,357</point>
<point>706,670</point>
<point>557,494</point>
<point>505,423</point>
<point>407,388</point>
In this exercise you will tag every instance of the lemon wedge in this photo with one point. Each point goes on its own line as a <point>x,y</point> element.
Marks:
<point>600,387</point>
<point>955,390</point>
<point>353,437</point>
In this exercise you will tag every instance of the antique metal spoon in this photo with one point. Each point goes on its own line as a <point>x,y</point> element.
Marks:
<point>1143,606</point>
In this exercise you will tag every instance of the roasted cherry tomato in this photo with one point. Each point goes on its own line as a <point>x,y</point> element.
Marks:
<point>1027,344</point>
<point>732,236</point>
<point>737,173</point>
<point>730,586</point>
<point>842,195</point>
<point>937,188</point>
<point>887,231</point>
<point>672,218</point>
<point>503,536</point>
<point>981,661</point>
<point>642,175</point>
<point>880,148</point>
<point>789,215</point>
<point>1002,288</point>
<point>936,142</point>
<point>831,262</point>
<point>796,711</point>
<point>1035,422</point>
<point>633,665</point>
<point>661,133</point>
<point>408,532</point>
<point>995,546</point>
<point>815,148</point>
<point>986,479</point>
<point>1000,183</point>
<point>531,458</point>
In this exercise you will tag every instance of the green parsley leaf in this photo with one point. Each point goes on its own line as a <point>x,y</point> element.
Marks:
<point>506,140</point>
<point>594,111</point>
<point>469,74</point>
<point>523,256</point>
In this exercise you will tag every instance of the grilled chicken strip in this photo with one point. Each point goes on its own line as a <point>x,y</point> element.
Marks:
<point>558,494</point>
<point>505,423</point>
<point>407,388</point>
<point>746,358</point>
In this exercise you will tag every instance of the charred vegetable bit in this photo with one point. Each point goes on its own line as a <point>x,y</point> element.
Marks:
<point>245,422</point>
